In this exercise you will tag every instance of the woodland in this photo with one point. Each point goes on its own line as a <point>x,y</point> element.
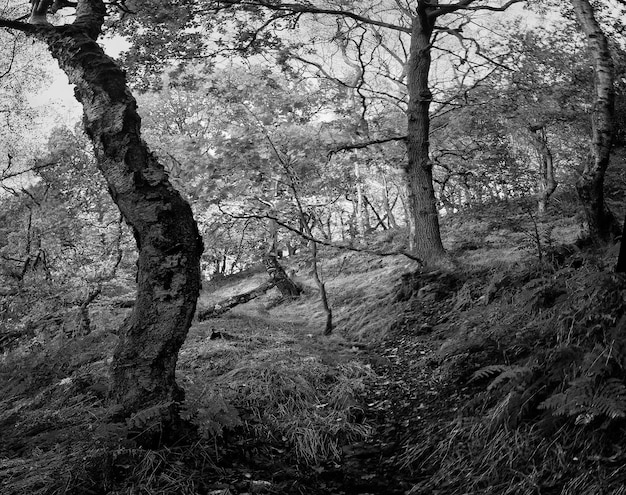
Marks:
<point>313,247</point>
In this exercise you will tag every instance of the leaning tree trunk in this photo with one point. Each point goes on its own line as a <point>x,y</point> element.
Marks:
<point>426,236</point>
<point>168,278</point>
<point>590,186</point>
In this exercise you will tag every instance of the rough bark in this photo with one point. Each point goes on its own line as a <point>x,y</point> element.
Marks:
<point>229,303</point>
<point>590,186</point>
<point>169,244</point>
<point>425,232</point>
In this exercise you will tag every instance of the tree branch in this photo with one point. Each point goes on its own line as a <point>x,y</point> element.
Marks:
<point>467,5</point>
<point>307,237</point>
<point>21,26</point>
<point>5,176</point>
<point>365,144</point>
<point>311,9</point>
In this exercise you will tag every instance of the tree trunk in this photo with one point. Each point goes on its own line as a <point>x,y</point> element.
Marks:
<point>363,218</point>
<point>426,236</point>
<point>278,276</point>
<point>547,182</point>
<point>272,226</point>
<point>387,205</point>
<point>352,222</point>
<point>169,244</point>
<point>590,186</point>
<point>328,324</point>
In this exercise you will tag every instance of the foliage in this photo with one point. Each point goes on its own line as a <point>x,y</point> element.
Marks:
<point>61,245</point>
<point>552,354</point>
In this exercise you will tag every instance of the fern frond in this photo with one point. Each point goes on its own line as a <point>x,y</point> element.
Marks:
<point>514,374</point>
<point>583,397</point>
<point>563,404</point>
<point>149,417</point>
<point>610,400</point>
<point>489,371</point>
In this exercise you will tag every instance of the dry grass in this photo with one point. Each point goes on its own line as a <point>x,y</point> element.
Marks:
<point>289,388</point>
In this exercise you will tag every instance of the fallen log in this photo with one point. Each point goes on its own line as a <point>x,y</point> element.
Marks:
<point>229,303</point>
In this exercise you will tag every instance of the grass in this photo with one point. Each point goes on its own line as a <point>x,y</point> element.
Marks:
<point>557,332</point>
<point>267,388</point>
<point>289,389</point>
<point>273,392</point>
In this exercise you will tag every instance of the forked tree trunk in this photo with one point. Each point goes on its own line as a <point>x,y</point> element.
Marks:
<point>168,279</point>
<point>426,236</point>
<point>393,224</point>
<point>590,186</point>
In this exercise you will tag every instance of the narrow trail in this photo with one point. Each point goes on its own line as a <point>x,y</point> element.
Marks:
<point>399,398</point>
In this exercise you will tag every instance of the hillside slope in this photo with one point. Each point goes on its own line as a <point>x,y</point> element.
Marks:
<point>504,375</point>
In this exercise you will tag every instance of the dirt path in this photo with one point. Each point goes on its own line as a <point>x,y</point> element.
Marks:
<point>399,395</point>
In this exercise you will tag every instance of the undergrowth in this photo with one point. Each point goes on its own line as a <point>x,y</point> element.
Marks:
<point>282,393</point>
<point>545,363</point>
<point>535,352</point>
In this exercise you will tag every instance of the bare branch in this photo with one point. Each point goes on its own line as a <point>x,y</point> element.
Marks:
<point>12,59</point>
<point>311,9</point>
<point>365,144</point>
<point>36,168</point>
<point>467,5</point>
<point>307,237</point>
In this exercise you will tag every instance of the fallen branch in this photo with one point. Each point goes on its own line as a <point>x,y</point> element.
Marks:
<point>229,303</point>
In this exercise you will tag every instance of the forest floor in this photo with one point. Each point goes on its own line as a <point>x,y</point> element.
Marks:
<point>435,381</point>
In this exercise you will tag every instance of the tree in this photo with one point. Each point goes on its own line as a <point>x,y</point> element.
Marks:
<point>252,21</point>
<point>169,245</point>
<point>602,224</point>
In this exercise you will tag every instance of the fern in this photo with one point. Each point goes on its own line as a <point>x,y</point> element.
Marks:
<point>610,400</point>
<point>503,373</point>
<point>585,400</point>
<point>515,375</point>
<point>212,416</point>
<point>150,417</point>
<point>488,371</point>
